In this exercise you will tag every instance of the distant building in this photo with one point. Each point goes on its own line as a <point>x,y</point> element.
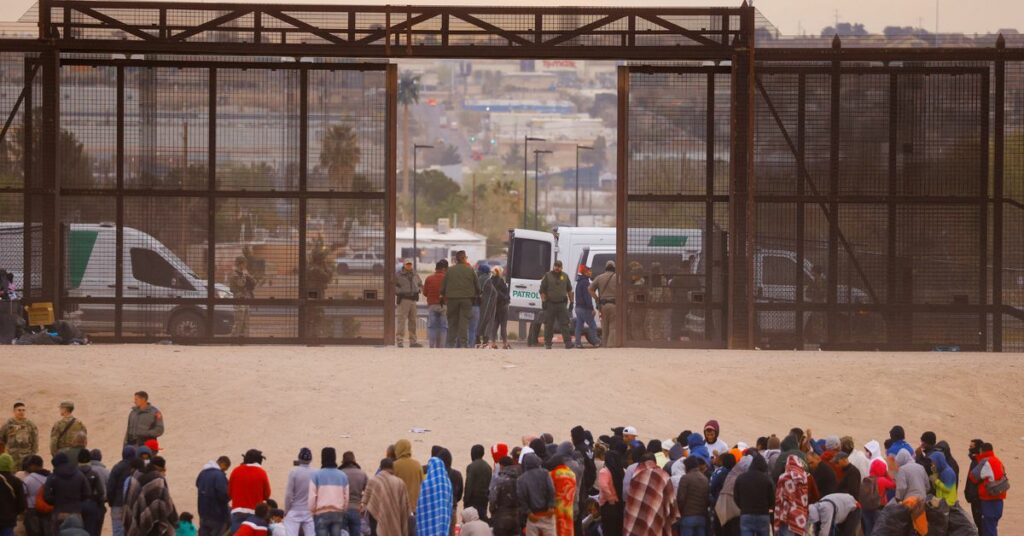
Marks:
<point>440,242</point>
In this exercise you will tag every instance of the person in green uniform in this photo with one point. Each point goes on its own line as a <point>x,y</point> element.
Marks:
<point>64,431</point>
<point>20,435</point>
<point>556,300</point>
<point>459,289</point>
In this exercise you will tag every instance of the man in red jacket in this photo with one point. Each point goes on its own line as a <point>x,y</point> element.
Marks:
<point>256,524</point>
<point>248,486</point>
<point>989,475</point>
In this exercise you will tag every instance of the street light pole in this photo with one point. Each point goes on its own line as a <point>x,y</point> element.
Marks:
<point>578,148</point>
<point>536,186</point>
<point>415,170</point>
<point>526,162</point>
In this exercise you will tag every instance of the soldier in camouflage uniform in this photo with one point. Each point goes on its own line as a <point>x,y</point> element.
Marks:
<point>243,286</point>
<point>64,431</point>
<point>658,316</point>
<point>636,293</point>
<point>319,273</point>
<point>20,435</point>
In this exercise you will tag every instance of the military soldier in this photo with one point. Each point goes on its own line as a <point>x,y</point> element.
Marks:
<point>243,286</point>
<point>637,297</point>
<point>557,300</point>
<point>658,317</point>
<point>64,431</point>
<point>319,273</point>
<point>604,288</point>
<point>816,291</point>
<point>20,434</point>
<point>145,421</point>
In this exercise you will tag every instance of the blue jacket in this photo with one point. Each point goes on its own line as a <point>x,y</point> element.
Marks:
<point>212,488</point>
<point>583,299</point>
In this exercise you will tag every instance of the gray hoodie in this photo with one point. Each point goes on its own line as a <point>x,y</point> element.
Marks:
<point>296,496</point>
<point>534,487</point>
<point>911,478</point>
<point>471,524</point>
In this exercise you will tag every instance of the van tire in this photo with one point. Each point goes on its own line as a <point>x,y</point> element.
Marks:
<point>185,325</point>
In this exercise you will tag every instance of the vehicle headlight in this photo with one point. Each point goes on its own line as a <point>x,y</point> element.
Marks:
<point>224,294</point>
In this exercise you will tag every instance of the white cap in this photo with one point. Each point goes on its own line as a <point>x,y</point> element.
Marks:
<point>523,453</point>
<point>629,430</point>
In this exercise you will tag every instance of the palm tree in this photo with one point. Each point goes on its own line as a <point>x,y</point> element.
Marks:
<point>339,156</point>
<point>408,94</point>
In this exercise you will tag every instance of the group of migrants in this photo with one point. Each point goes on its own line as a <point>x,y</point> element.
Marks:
<point>695,484</point>
<point>469,308</point>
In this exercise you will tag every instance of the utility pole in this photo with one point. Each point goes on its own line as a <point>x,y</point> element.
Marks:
<point>526,172</point>
<point>415,223</point>
<point>472,219</point>
<point>536,186</point>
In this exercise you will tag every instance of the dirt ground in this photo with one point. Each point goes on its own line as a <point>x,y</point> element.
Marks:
<point>224,400</point>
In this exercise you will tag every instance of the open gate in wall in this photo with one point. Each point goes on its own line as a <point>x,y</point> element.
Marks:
<point>844,198</point>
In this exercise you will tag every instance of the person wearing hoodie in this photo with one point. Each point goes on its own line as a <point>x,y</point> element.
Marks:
<point>72,526</point>
<point>93,508</point>
<point>565,480</point>
<point>899,442</point>
<point>328,497</point>
<point>585,309</point>
<point>503,499</point>
<point>989,471</point>
<point>356,485</point>
<point>478,482</point>
<point>66,489</point>
<point>115,489</point>
<point>385,501</point>
<point>755,496</point>
<point>692,499</point>
<point>943,478</point>
<point>911,477</point>
<point>213,498</point>
<point>883,487</point>
<point>873,450</point>
<point>772,452</point>
<point>37,523</point>
<point>436,505</point>
<point>943,447</point>
<point>247,487</point>
<point>296,496</point>
<point>256,524</point>
<point>610,497</point>
<point>409,470</point>
<point>715,444</point>
<point>856,456</point>
<point>472,525</point>
<point>583,443</point>
<point>149,510</point>
<point>790,446</point>
<point>792,499</point>
<point>697,447</point>
<point>536,493</point>
<point>12,496</point>
<point>836,514</point>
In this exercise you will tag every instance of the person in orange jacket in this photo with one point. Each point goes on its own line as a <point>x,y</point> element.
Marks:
<point>990,476</point>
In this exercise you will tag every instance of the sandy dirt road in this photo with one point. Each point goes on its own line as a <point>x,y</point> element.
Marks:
<point>224,400</point>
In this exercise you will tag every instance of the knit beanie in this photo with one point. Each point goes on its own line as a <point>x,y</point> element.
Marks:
<point>328,458</point>
<point>6,463</point>
<point>499,451</point>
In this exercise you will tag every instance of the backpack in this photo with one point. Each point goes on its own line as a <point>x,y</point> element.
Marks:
<point>96,486</point>
<point>870,499</point>
<point>42,506</point>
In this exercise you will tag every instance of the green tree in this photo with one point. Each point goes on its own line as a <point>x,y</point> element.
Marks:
<point>339,156</point>
<point>597,158</point>
<point>437,196</point>
<point>444,155</point>
<point>408,94</point>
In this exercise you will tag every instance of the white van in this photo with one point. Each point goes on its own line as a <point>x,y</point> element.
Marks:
<point>150,270</point>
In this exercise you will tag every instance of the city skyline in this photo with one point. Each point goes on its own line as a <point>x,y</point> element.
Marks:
<point>791,17</point>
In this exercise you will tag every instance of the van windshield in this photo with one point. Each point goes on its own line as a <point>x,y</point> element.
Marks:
<point>531,259</point>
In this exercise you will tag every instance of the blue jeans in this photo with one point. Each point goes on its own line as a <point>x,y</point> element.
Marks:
<point>437,327</point>
<point>474,323</point>
<point>353,522</point>
<point>236,521</point>
<point>6,531</point>
<point>755,525</point>
<point>329,523</point>
<point>991,512</point>
<point>693,525</point>
<point>784,531</point>
<point>585,316</point>
<point>867,520</point>
<point>116,520</point>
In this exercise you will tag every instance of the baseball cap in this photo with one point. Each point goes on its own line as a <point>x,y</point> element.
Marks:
<point>305,455</point>
<point>629,430</point>
<point>153,445</point>
<point>558,264</point>
<point>407,261</point>
<point>67,404</point>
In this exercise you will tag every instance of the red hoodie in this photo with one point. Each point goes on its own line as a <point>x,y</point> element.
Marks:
<point>880,471</point>
<point>998,472</point>
<point>247,487</point>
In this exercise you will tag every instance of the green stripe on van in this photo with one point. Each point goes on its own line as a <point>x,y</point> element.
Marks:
<point>667,241</point>
<point>80,245</point>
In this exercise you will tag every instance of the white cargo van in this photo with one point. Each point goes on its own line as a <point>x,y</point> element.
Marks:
<point>150,270</point>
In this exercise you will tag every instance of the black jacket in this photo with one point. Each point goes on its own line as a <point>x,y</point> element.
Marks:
<point>825,479</point>
<point>12,499</point>
<point>66,489</point>
<point>478,482</point>
<point>754,492</point>
<point>115,484</point>
<point>851,481</point>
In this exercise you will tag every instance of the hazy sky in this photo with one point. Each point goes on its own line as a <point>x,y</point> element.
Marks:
<point>975,16</point>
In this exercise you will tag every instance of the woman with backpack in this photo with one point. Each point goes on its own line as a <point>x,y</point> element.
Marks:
<point>876,491</point>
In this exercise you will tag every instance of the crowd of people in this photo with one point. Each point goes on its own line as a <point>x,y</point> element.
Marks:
<point>695,484</point>
<point>467,308</point>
